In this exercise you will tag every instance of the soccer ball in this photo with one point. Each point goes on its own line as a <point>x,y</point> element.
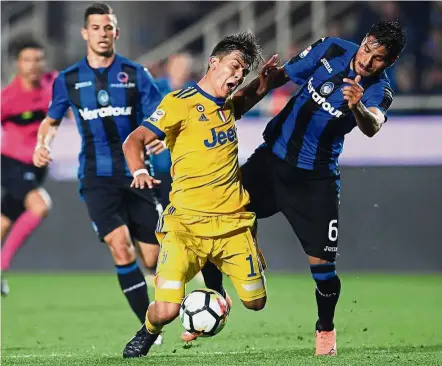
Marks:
<point>204,312</point>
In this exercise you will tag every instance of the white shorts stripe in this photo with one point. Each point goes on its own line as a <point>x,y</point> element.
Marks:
<point>171,285</point>
<point>253,286</point>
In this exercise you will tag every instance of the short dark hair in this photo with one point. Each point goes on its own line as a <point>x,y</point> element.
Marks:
<point>30,43</point>
<point>390,34</point>
<point>244,42</point>
<point>97,8</point>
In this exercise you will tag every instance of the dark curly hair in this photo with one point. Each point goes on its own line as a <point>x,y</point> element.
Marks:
<point>390,34</point>
<point>244,42</point>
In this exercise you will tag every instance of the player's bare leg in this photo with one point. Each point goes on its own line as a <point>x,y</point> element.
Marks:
<point>6,224</point>
<point>149,255</point>
<point>328,287</point>
<point>37,206</point>
<point>159,314</point>
<point>129,274</point>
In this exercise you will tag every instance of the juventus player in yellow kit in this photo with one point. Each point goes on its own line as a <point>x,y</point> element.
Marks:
<point>206,218</point>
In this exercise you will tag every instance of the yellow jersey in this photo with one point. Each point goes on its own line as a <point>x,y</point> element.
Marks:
<point>200,132</point>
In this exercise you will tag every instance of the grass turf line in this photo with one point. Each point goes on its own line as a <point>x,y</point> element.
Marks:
<point>80,319</point>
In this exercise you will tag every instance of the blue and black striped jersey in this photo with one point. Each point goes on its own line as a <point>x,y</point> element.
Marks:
<point>309,132</point>
<point>108,104</point>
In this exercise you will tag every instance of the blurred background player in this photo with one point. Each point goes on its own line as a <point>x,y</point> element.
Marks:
<point>178,75</point>
<point>109,95</point>
<point>206,219</point>
<point>24,104</point>
<point>296,170</point>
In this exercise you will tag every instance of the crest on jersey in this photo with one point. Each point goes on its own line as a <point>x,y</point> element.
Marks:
<point>327,88</point>
<point>103,98</point>
<point>222,115</point>
<point>305,52</point>
<point>200,108</point>
<point>156,116</point>
<point>122,77</point>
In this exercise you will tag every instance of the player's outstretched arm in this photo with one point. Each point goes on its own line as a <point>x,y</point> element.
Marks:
<point>369,120</point>
<point>46,133</point>
<point>133,149</point>
<point>269,77</point>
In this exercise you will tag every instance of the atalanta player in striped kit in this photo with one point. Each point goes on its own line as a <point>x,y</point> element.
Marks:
<point>25,203</point>
<point>296,171</point>
<point>109,96</point>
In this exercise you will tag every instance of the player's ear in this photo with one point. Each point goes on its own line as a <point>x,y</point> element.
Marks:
<point>213,62</point>
<point>117,33</point>
<point>391,62</point>
<point>84,33</point>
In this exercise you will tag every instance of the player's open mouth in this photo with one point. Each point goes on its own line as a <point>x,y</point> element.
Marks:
<point>231,86</point>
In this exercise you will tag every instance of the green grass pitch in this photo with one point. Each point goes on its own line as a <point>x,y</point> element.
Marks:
<point>82,319</point>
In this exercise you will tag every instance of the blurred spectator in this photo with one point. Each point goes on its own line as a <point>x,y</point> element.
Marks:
<point>432,79</point>
<point>432,47</point>
<point>155,69</point>
<point>404,75</point>
<point>178,73</point>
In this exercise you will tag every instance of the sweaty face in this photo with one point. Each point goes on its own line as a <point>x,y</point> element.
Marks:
<point>371,58</point>
<point>228,73</point>
<point>31,63</point>
<point>100,34</point>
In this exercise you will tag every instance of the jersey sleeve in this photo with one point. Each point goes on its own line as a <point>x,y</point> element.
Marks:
<point>168,117</point>
<point>60,99</point>
<point>149,94</point>
<point>300,67</point>
<point>379,95</point>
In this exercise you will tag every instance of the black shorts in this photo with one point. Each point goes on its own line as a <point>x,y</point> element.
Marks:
<point>111,203</point>
<point>18,179</point>
<point>308,199</point>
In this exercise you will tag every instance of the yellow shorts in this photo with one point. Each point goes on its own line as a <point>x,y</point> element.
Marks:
<point>188,241</point>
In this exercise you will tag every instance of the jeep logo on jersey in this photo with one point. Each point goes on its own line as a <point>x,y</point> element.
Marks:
<point>110,111</point>
<point>326,106</point>
<point>221,137</point>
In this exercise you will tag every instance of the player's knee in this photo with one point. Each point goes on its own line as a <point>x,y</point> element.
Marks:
<point>149,254</point>
<point>166,312</point>
<point>6,224</point>
<point>39,202</point>
<point>257,304</point>
<point>150,262</point>
<point>120,245</point>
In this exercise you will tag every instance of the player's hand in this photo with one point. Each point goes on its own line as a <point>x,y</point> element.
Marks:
<point>268,73</point>
<point>41,157</point>
<point>353,93</point>
<point>156,147</point>
<point>144,180</point>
